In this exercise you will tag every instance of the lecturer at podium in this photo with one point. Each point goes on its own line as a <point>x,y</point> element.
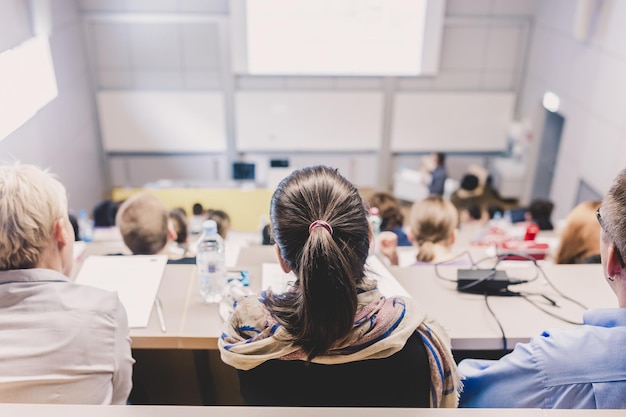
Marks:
<point>60,342</point>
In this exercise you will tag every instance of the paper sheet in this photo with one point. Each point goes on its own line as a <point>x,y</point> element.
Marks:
<point>274,277</point>
<point>135,278</point>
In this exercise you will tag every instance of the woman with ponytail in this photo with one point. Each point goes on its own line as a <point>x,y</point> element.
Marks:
<point>333,339</point>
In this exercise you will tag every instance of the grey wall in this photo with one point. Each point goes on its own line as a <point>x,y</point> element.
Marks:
<point>590,77</point>
<point>63,136</point>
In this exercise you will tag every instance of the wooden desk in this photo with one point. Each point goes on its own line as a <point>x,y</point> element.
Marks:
<point>47,410</point>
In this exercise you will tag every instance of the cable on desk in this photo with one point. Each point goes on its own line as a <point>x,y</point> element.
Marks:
<point>556,316</point>
<point>504,343</point>
<point>545,276</point>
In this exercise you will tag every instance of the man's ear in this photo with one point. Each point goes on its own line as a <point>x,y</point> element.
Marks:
<point>59,232</point>
<point>283,264</point>
<point>171,233</point>
<point>455,234</point>
<point>613,264</point>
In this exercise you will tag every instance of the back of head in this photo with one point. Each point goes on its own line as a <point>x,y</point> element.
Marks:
<point>179,222</point>
<point>541,211</point>
<point>223,221</point>
<point>389,210</point>
<point>31,200</point>
<point>432,221</point>
<point>440,159</point>
<point>320,226</point>
<point>197,209</point>
<point>469,182</point>
<point>614,212</point>
<point>142,220</point>
<point>104,213</point>
<point>581,236</point>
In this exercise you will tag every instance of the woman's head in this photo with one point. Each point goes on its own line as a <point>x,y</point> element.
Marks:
<point>581,236</point>
<point>389,209</point>
<point>433,221</point>
<point>320,227</point>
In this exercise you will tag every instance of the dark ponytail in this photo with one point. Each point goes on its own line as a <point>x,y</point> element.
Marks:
<point>328,261</point>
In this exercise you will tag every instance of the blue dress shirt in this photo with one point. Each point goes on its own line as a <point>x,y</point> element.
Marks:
<point>579,368</point>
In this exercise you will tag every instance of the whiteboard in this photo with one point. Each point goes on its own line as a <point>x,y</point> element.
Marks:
<point>308,121</point>
<point>162,121</point>
<point>451,122</point>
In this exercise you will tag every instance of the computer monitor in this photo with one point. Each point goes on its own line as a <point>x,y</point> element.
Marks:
<point>243,171</point>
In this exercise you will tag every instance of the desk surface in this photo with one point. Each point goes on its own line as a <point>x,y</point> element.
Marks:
<point>193,324</point>
<point>36,410</point>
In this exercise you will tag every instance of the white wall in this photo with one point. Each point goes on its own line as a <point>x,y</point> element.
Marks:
<point>63,135</point>
<point>483,48</point>
<point>590,78</point>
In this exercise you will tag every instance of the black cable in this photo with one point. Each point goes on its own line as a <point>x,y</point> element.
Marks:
<point>570,299</point>
<point>525,297</point>
<point>504,343</point>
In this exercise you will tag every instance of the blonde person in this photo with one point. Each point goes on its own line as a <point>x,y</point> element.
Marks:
<point>320,341</point>
<point>433,229</point>
<point>223,221</point>
<point>60,342</point>
<point>580,239</point>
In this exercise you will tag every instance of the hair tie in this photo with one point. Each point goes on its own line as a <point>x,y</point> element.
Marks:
<point>320,223</point>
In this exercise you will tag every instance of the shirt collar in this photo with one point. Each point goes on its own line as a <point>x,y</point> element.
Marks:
<point>605,317</point>
<point>31,275</point>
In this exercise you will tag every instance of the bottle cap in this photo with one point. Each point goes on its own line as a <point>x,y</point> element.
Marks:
<point>209,227</point>
<point>374,211</point>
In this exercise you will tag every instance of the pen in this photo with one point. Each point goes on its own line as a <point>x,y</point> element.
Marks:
<point>159,309</point>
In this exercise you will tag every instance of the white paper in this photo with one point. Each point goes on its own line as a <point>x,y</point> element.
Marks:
<point>135,278</point>
<point>274,277</point>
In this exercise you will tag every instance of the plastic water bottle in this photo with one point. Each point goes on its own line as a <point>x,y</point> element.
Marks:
<point>211,263</point>
<point>85,229</point>
<point>375,220</point>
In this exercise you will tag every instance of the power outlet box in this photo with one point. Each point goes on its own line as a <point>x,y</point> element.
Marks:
<point>483,281</point>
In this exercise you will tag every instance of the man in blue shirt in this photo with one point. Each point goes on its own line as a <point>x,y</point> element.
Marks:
<point>580,368</point>
<point>438,175</point>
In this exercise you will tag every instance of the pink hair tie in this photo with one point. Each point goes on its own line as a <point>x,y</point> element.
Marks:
<point>321,223</point>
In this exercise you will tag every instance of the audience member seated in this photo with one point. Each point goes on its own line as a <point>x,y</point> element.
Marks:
<point>433,226</point>
<point>74,222</point>
<point>104,213</point>
<point>223,221</point>
<point>391,215</point>
<point>317,343</point>
<point>198,217</point>
<point>145,227</point>
<point>580,239</point>
<point>178,220</point>
<point>540,212</point>
<point>579,368</point>
<point>61,342</point>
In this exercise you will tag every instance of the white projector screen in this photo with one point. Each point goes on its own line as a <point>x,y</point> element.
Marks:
<point>337,37</point>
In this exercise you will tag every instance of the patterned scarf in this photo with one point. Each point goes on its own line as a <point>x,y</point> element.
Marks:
<point>381,328</point>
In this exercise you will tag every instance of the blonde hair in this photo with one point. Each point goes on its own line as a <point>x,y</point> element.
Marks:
<point>432,221</point>
<point>223,221</point>
<point>581,236</point>
<point>143,222</point>
<point>31,200</point>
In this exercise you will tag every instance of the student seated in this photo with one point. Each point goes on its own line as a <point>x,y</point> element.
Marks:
<point>60,342</point>
<point>391,215</point>
<point>146,229</point>
<point>579,368</point>
<point>318,343</point>
<point>580,239</point>
<point>433,228</point>
<point>223,221</point>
